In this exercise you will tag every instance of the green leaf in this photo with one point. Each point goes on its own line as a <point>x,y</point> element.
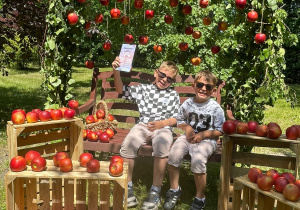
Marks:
<point>51,44</point>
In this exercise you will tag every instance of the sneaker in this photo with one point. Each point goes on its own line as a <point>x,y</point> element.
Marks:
<point>197,205</point>
<point>171,199</point>
<point>131,199</point>
<point>152,202</point>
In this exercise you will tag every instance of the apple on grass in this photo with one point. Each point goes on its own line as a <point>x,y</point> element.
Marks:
<point>30,155</point>
<point>58,157</point>
<point>93,166</point>
<point>17,164</point>
<point>84,158</point>
<point>65,165</point>
<point>291,192</point>
<point>38,164</point>
<point>253,174</point>
<point>264,182</point>
<point>116,168</point>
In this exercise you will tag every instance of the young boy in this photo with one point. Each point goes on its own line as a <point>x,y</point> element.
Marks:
<point>201,118</point>
<point>158,106</point>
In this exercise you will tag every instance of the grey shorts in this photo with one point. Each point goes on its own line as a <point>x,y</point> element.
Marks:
<point>199,153</point>
<point>161,140</point>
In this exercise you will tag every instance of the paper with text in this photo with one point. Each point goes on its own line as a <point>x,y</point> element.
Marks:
<point>126,57</point>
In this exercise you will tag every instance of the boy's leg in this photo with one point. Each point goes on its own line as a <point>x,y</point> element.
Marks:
<point>200,181</point>
<point>159,170</point>
<point>174,173</point>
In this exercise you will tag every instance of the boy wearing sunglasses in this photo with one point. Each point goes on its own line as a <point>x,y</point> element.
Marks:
<point>158,106</point>
<point>201,117</point>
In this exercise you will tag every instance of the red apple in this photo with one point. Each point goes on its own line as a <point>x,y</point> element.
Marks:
<point>229,127</point>
<point>93,166</point>
<point>223,26</point>
<point>143,40</point>
<point>90,119</point>
<point>58,157</point>
<point>69,114</point>
<point>115,13</point>
<point>273,124</point>
<point>291,192</point>
<point>206,21</point>
<point>260,38</point>
<point>186,9</point>
<point>99,18</point>
<point>89,64</point>
<point>252,16</point>
<point>63,109</point>
<point>149,14</point>
<point>242,128</point>
<point>188,30</point>
<point>81,1</point>
<point>183,46</point>
<point>168,19</point>
<point>203,3</point>
<point>128,38</point>
<point>73,104</point>
<point>92,136</point>
<point>84,134</point>
<point>106,45</point>
<point>17,164</point>
<point>56,114</point>
<point>253,174</point>
<point>157,48</point>
<point>280,183</point>
<point>261,130</point>
<point>290,177</point>
<point>30,155</point>
<point>18,118</point>
<point>110,117</point>
<point>215,49</point>
<point>274,132</point>
<point>100,113</point>
<point>38,164</point>
<point>240,4</point>
<point>104,137</point>
<point>252,125</point>
<point>65,165</point>
<point>72,18</point>
<point>138,4</point>
<point>196,34</point>
<point>19,110</point>
<point>264,182</point>
<point>49,110</point>
<point>173,3</point>
<point>110,132</point>
<point>297,182</point>
<point>44,116</point>
<point>292,133</point>
<point>116,158</point>
<point>104,2</point>
<point>116,168</point>
<point>84,158</point>
<point>125,20</point>
<point>236,122</point>
<point>32,117</point>
<point>298,127</point>
<point>273,173</point>
<point>98,132</point>
<point>36,110</point>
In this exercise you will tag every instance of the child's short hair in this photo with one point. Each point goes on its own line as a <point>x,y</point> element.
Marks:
<point>171,66</point>
<point>208,75</point>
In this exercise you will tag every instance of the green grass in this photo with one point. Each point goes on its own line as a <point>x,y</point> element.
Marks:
<point>22,89</point>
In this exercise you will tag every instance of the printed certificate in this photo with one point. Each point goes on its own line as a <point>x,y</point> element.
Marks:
<point>126,57</point>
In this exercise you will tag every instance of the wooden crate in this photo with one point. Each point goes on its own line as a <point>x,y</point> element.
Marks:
<point>233,163</point>
<point>46,137</point>
<point>248,196</point>
<point>52,189</point>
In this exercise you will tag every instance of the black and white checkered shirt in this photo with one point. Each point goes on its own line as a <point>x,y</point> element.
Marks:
<point>154,104</point>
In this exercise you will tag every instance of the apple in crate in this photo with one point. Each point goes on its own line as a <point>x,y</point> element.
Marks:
<point>261,130</point>
<point>32,117</point>
<point>92,136</point>
<point>38,164</point>
<point>298,127</point>
<point>44,116</point>
<point>253,174</point>
<point>104,137</point>
<point>274,132</point>
<point>252,125</point>
<point>30,155</point>
<point>69,114</point>
<point>56,114</point>
<point>84,134</point>
<point>58,157</point>
<point>19,110</point>
<point>292,133</point>
<point>280,183</point>
<point>36,110</point>
<point>73,104</point>
<point>116,168</point>
<point>242,128</point>
<point>291,192</point>
<point>264,182</point>
<point>84,158</point>
<point>17,164</point>
<point>110,132</point>
<point>63,109</point>
<point>229,127</point>
<point>273,173</point>
<point>290,177</point>
<point>93,166</point>
<point>65,165</point>
<point>18,118</point>
<point>116,158</point>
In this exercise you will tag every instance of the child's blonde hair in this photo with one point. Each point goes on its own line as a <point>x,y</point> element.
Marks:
<point>208,75</point>
<point>171,66</point>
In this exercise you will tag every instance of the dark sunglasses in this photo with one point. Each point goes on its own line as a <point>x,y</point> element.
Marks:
<point>163,75</point>
<point>201,84</point>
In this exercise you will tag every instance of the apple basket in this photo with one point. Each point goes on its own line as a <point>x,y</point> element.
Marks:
<point>102,125</point>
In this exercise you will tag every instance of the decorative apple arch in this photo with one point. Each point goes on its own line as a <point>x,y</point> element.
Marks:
<point>222,35</point>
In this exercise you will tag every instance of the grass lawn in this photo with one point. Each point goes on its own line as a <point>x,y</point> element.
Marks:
<point>21,89</point>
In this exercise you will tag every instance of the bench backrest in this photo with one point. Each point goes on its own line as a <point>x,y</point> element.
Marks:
<point>118,107</point>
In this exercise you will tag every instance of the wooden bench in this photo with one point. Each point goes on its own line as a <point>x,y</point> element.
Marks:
<point>126,113</point>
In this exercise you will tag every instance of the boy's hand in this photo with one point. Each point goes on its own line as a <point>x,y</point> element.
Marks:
<point>152,126</point>
<point>190,134</point>
<point>116,63</point>
<point>197,138</point>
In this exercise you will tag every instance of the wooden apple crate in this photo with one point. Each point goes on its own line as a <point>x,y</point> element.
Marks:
<point>47,138</point>
<point>78,189</point>
<point>233,162</point>
<point>266,200</point>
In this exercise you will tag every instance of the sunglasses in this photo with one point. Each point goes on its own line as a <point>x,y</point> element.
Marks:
<point>207,86</point>
<point>163,75</point>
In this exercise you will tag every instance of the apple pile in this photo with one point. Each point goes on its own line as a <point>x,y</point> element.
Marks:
<point>116,166</point>
<point>98,135</point>
<point>32,158</point>
<point>284,183</point>
<point>62,160</point>
<point>272,130</point>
